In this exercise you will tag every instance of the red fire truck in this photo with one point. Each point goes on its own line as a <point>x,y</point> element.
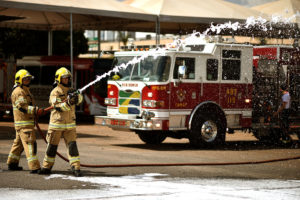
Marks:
<point>202,91</point>
<point>7,68</point>
<point>43,69</point>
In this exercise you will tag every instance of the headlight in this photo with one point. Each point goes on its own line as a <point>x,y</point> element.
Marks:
<point>148,103</point>
<point>110,101</point>
<point>149,124</point>
<point>153,103</point>
<point>247,100</point>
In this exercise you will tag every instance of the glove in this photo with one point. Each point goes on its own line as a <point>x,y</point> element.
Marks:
<point>72,96</point>
<point>73,99</point>
<point>38,111</point>
<point>71,90</point>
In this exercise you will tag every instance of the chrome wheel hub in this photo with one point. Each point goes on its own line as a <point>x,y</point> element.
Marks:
<point>209,131</point>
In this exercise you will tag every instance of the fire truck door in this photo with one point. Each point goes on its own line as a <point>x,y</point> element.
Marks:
<point>210,80</point>
<point>184,92</point>
<point>233,81</point>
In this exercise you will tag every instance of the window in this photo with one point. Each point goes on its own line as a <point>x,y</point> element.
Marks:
<point>149,69</point>
<point>190,67</point>
<point>231,63</point>
<point>231,54</point>
<point>212,69</point>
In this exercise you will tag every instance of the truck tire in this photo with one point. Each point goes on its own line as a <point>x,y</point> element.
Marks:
<point>267,135</point>
<point>151,137</point>
<point>207,130</point>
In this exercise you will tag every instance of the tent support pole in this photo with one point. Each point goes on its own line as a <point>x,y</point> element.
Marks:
<point>99,43</point>
<point>157,27</point>
<point>50,43</point>
<point>73,83</point>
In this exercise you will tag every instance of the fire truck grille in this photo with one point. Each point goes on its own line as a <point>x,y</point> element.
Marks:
<point>129,102</point>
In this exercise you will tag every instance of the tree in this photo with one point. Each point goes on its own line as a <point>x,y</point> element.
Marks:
<point>61,43</point>
<point>21,43</point>
<point>262,41</point>
<point>123,37</point>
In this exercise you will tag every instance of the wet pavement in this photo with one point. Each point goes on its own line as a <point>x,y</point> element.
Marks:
<point>100,145</point>
<point>161,186</point>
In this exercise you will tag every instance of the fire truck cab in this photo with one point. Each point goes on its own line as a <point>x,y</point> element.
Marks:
<point>192,91</point>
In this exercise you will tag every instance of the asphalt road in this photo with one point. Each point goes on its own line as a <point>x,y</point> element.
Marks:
<point>101,145</point>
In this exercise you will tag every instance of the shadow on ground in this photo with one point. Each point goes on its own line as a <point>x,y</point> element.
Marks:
<point>7,133</point>
<point>228,146</point>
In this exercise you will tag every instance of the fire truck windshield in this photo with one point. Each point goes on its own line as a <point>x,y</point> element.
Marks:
<point>151,69</point>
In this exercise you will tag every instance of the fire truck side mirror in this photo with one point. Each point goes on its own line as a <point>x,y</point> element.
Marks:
<point>181,72</point>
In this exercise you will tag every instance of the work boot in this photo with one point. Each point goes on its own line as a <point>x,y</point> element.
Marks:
<point>76,172</point>
<point>45,171</point>
<point>14,167</point>
<point>35,171</point>
<point>286,140</point>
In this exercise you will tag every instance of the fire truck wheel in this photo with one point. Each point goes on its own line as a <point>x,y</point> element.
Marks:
<point>148,137</point>
<point>207,130</point>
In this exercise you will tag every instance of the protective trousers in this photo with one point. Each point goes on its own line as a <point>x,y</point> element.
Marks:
<point>25,140</point>
<point>53,139</point>
<point>284,122</point>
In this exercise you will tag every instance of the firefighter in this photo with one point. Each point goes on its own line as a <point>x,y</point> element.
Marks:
<point>62,122</point>
<point>284,113</point>
<point>24,112</point>
<point>146,69</point>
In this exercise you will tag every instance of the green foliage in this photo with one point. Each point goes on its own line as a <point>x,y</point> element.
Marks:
<point>21,43</point>
<point>123,37</point>
<point>61,43</point>
<point>263,41</point>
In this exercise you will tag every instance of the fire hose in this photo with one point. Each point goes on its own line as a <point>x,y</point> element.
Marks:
<point>165,164</point>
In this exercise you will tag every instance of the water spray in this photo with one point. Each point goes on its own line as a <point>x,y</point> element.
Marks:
<point>251,22</point>
<point>196,38</point>
<point>116,69</point>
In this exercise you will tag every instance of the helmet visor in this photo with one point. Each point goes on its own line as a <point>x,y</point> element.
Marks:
<point>66,76</point>
<point>28,78</point>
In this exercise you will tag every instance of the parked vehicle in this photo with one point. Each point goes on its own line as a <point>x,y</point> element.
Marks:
<point>7,71</point>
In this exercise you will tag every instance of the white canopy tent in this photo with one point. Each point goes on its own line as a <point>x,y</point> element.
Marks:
<point>66,14</point>
<point>183,17</point>
<point>55,15</point>
<point>287,15</point>
<point>287,9</point>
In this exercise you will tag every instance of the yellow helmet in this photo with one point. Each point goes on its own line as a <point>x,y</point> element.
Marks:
<point>62,73</point>
<point>20,75</point>
<point>116,77</point>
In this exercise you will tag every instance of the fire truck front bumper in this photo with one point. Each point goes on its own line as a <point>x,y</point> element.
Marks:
<point>129,124</point>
